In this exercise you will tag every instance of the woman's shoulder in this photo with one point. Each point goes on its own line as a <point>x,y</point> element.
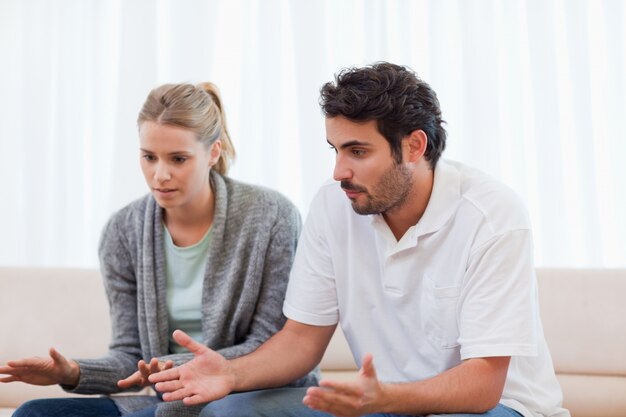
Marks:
<point>130,214</point>
<point>251,196</point>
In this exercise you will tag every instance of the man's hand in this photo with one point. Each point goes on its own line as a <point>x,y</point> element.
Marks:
<point>144,370</point>
<point>207,377</point>
<point>353,398</point>
<point>42,371</point>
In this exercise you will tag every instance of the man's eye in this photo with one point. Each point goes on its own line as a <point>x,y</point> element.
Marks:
<point>358,152</point>
<point>179,159</point>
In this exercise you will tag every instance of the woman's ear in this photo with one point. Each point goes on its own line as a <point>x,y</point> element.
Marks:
<point>215,152</point>
<point>414,145</point>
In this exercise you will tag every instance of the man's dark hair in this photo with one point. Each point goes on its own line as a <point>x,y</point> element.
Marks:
<point>392,95</point>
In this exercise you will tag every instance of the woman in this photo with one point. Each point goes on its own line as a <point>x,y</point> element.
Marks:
<point>201,252</point>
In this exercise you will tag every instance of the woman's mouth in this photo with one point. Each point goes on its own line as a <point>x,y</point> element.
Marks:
<point>164,192</point>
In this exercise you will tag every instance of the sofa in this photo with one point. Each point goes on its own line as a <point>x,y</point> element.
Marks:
<point>583,314</point>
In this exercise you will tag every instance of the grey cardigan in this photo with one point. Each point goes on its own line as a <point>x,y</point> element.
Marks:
<point>254,236</point>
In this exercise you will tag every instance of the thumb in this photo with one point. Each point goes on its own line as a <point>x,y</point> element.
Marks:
<point>188,343</point>
<point>367,367</point>
<point>57,358</point>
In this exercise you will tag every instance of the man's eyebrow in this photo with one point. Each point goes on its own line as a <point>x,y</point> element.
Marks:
<point>350,144</point>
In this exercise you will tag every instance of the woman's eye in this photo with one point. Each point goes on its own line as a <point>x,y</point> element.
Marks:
<point>179,159</point>
<point>149,158</point>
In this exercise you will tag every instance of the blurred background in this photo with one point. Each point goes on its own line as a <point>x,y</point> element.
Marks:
<point>533,92</point>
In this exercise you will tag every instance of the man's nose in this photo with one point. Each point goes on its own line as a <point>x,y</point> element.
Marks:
<point>342,169</point>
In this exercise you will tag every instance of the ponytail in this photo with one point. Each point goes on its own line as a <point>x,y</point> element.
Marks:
<point>227,155</point>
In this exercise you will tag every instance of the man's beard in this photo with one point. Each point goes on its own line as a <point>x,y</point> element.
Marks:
<point>389,193</point>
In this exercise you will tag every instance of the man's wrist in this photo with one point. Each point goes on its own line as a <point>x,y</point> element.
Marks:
<point>236,376</point>
<point>385,399</point>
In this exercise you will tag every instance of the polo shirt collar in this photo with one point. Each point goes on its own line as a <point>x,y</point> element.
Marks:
<point>442,204</point>
<point>444,199</point>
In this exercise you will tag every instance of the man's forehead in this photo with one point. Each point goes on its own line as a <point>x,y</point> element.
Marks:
<point>341,133</point>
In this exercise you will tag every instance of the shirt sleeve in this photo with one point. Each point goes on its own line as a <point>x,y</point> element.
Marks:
<point>311,294</point>
<point>498,306</point>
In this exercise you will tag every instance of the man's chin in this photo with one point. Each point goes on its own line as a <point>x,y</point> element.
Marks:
<point>362,210</point>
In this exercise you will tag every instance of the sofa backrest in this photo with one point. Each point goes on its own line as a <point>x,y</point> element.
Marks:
<point>584,319</point>
<point>583,313</point>
<point>45,307</point>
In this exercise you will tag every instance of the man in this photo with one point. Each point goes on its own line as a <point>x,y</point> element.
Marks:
<point>427,265</point>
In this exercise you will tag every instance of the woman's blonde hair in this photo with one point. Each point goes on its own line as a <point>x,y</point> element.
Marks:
<point>197,108</point>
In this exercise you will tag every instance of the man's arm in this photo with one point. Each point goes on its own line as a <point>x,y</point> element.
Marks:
<point>474,386</point>
<point>288,355</point>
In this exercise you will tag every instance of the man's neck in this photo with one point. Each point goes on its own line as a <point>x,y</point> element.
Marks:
<point>400,219</point>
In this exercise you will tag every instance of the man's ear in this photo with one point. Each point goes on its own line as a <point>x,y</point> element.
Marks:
<point>414,145</point>
<point>215,152</point>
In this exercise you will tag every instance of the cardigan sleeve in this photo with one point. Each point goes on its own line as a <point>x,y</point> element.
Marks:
<point>268,318</point>
<point>100,376</point>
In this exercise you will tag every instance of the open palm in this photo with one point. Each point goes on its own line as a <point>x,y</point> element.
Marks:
<point>55,369</point>
<point>207,377</point>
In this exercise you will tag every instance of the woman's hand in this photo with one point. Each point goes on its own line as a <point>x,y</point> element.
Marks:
<point>140,378</point>
<point>42,371</point>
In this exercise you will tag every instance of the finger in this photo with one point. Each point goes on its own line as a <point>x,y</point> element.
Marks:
<point>332,402</point>
<point>154,366</point>
<point>367,367</point>
<point>188,343</point>
<point>193,400</point>
<point>346,394</point>
<point>56,356</point>
<point>168,386</point>
<point>144,369</point>
<point>12,378</point>
<point>18,363</point>
<point>168,365</point>
<point>132,380</point>
<point>324,405</point>
<point>343,387</point>
<point>177,395</point>
<point>6,369</point>
<point>167,375</point>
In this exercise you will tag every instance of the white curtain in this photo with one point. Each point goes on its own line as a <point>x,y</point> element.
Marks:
<point>533,93</point>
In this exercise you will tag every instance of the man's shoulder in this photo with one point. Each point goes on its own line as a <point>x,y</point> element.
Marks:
<point>500,206</point>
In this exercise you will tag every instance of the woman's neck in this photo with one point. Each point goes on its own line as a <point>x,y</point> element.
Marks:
<point>189,223</point>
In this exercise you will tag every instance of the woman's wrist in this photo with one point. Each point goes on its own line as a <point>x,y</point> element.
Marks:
<point>73,375</point>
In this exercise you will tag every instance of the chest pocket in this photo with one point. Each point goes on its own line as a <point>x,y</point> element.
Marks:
<point>440,304</point>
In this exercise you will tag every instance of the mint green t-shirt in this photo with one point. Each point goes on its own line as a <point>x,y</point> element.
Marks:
<point>185,268</point>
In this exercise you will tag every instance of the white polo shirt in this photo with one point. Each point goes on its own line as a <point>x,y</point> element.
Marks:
<point>459,284</point>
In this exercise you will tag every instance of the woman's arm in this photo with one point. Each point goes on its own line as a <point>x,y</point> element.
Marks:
<point>101,375</point>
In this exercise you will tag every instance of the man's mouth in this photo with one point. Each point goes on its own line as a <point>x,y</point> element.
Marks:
<point>351,190</point>
<point>351,193</point>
